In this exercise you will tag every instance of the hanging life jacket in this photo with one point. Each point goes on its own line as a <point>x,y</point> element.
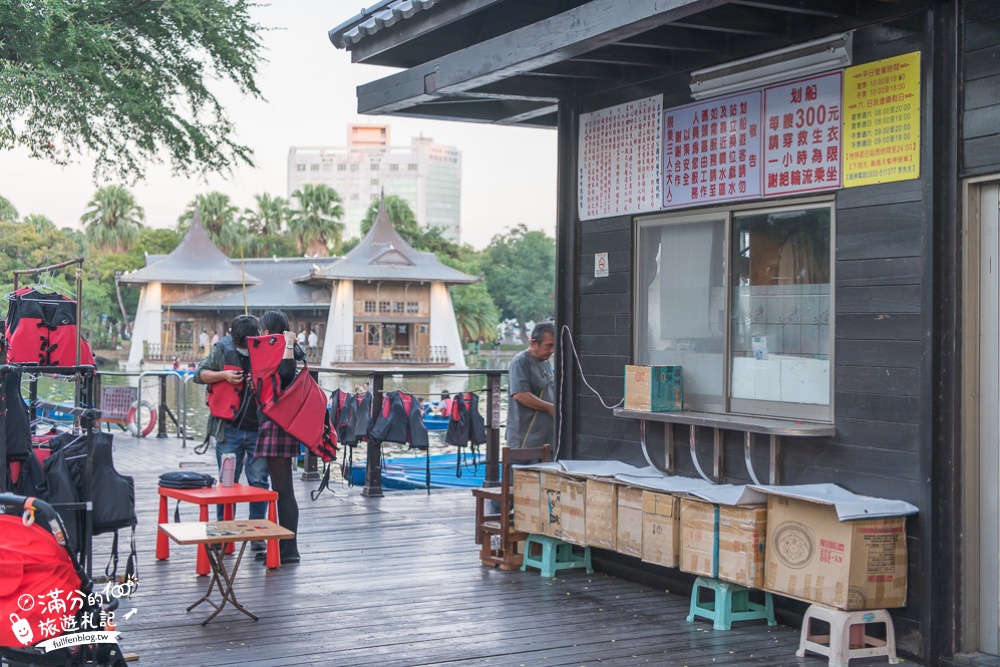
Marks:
<point>359,419</point>
<point>300,408</point>
<point>465,424</point>
<point>16,416</point>
<point>41,328</point>
<point>401,421</point>
<point>224,399</point>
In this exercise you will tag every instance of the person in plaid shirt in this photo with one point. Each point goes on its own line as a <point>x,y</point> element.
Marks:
<point>275,445</point>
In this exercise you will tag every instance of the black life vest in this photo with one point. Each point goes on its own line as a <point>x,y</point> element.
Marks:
<point>224,399</point>
<point>16,416</point>
<point>41,328</point>
<point>300,408</point>
<point>340,414</point>
<point>401,421</point>
<point>359,418</point>
<point>465,424</point>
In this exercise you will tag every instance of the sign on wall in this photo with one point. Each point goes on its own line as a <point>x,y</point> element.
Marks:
<point>712,151</point>
<point>620,160</point>
<point>802,132</point>
<point>882,121</point>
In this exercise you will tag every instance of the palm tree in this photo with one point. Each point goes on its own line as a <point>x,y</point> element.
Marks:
<point>400,214</point>
<point>7,211</point>
<point>269,217</point>
<point>40,223</point>
<point>475,313</point>
<point>315,224</point>
<point>112,220</point>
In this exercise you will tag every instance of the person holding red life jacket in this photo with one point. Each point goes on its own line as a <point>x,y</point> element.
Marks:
<point>275,445</point>
<point>233,420</point>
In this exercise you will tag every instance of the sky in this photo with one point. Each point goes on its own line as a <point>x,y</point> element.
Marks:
<point>508,174</point>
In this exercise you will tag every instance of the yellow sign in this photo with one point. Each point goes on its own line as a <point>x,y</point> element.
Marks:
<point>882,121</point>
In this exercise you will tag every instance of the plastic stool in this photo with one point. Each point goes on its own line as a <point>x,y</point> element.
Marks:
<point>554,555</point>
<point>731,603</point>
<point>847,628</point>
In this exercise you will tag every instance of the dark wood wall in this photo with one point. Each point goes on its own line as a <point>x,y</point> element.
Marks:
<point>981,90</point>
<point>882,341</point>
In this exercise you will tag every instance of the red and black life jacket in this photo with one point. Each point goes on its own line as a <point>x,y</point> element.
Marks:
<point>41,328</point>
<point>465,424</point>
<point>300,409</point>
<point>224,399</point>
<point>401,421</point>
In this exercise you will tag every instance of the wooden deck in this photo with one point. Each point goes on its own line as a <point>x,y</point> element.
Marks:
<point>396,581</point>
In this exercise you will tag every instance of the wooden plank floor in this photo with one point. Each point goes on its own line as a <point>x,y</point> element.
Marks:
<point>396,582</point>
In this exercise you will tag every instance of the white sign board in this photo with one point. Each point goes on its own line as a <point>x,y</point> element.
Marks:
<point>619,159</point>
<point>802,136</point>
<point>601,265</point>
<point>712,151</point>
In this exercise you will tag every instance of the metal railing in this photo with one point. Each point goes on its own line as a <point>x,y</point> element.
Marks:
<point>395,355</point>
<point>189,352</point>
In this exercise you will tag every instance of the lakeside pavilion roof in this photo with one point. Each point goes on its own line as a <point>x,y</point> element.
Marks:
<point>278,287</point>
<point>383,255</point>
<point>195,261</point>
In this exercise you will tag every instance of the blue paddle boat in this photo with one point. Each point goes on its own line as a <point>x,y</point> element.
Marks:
<point>447,471</point>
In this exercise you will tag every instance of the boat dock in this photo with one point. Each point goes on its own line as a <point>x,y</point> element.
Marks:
<point>396,581</point>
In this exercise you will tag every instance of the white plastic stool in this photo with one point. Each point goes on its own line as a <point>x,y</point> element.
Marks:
<point>837,645</point>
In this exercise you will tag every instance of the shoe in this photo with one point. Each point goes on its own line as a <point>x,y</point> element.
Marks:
<point>260,557</point>
<point>258,545</point>
<point>292,558</point>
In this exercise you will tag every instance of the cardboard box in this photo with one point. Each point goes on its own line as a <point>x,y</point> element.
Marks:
<point>851,565</point>
<point>735,534</point>
<point>629,536</point>
<point>602,514</point>
<point>661,528</point>
<point>527,505</point>
<point>653,388</point>
<point>563,512</point>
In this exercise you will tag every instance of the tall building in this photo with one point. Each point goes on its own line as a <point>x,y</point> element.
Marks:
<point>427,175</point>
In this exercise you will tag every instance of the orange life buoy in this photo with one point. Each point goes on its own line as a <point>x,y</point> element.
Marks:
<point>131,421</point>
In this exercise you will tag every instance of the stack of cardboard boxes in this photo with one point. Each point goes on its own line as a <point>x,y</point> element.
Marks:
<point>786,540</point>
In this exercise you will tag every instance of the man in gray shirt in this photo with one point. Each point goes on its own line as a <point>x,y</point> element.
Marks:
<point>530,406</point>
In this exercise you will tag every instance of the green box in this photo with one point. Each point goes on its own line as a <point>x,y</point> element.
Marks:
<point>654,388</point>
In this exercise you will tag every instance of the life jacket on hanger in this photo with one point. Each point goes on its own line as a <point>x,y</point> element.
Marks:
<point>300,408</point>
<point>359,418</point>
<point>224,399</point>
<point>340,414</point>
<point>41,328</point>
<point>465,424</point>
<point>401,421</point>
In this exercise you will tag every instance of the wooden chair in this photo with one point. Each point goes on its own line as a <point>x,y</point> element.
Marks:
<point>503,555</point>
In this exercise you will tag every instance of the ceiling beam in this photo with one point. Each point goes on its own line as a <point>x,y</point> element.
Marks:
<point>571,33</point>
<point>834,9</point>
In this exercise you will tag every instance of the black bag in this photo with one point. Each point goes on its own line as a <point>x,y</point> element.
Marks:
<point>185,479</point>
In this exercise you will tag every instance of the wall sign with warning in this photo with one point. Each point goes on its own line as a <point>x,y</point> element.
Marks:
<point>882,121</point>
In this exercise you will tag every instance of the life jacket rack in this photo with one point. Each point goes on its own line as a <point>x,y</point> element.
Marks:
<point>84,412</point>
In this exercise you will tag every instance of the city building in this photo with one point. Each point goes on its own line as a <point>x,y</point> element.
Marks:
<point>425,174</point>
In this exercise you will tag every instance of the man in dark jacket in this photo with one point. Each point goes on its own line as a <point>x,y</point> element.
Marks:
<point>237,435</point>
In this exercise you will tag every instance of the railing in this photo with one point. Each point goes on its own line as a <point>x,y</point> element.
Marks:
<point>395,355</point>
<point>189,352</point>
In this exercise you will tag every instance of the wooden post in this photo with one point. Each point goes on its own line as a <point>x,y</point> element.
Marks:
<point>373,468</point>
<point>492,430</point>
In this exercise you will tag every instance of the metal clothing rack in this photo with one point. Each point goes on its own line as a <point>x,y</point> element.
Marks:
<point>85,415</point>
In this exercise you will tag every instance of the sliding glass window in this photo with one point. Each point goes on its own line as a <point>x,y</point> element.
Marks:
<point>741,300</point>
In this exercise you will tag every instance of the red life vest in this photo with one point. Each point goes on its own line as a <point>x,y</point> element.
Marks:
<point>41,328</point>
<point>224,399</point>
<point>301,407</point>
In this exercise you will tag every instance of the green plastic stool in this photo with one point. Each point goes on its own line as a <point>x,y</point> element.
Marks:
<point>731,603</point>
<point>554,555</point>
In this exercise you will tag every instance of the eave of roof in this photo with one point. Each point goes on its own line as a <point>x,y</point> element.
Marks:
<point>383,14</point>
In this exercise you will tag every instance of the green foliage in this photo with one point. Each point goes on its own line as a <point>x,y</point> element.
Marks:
<point>402,217</point>
<point>126,81</point>
<point>270,216</point>
<point>315,224</point>
<point>476,314</point>
<point>219,217</point>
<point>519,269</point>
<point>112,220</point>
<point>7,211</point>
<point>39,222</point>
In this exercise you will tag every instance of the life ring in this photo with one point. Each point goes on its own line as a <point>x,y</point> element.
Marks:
<point>133,413</point>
